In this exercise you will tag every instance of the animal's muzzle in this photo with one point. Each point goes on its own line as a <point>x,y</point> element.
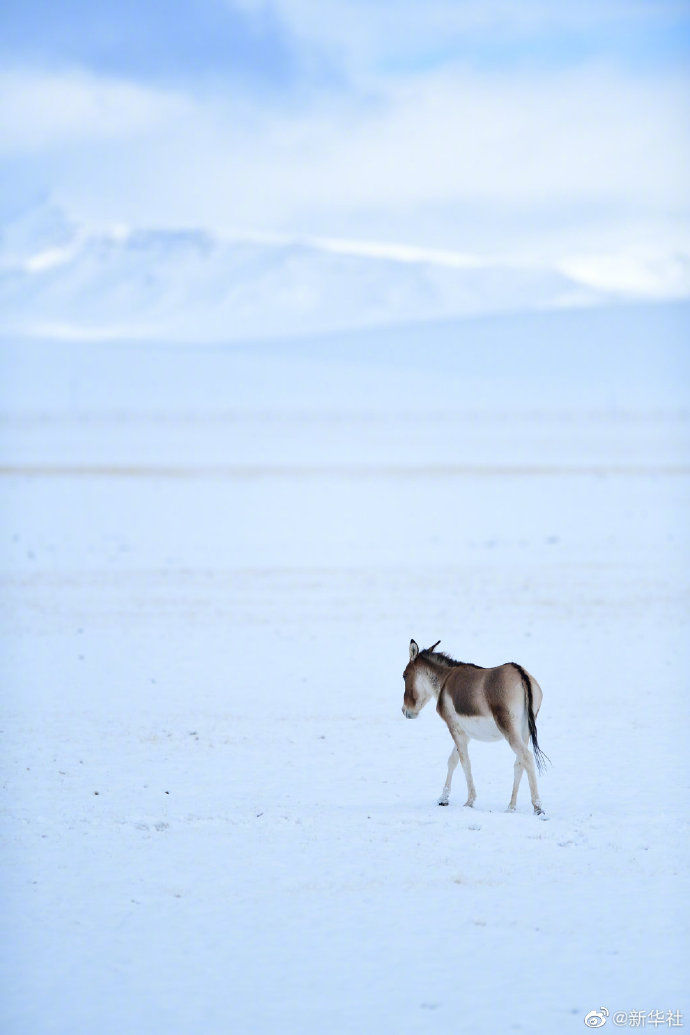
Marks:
<point>407,713</point>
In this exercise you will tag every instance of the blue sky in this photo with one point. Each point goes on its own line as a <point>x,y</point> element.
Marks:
<point>481,125</point>
<point>283,45</point>
<point>173,42</point>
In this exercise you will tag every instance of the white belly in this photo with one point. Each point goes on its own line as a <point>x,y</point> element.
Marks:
<point>478,727</point>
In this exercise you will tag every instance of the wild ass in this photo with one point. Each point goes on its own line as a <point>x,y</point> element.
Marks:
<point>481,704</point>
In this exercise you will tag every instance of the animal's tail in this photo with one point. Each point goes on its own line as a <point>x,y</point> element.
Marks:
<point>540,758</point>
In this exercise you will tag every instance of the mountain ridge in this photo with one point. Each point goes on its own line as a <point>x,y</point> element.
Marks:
<point>61,279</point>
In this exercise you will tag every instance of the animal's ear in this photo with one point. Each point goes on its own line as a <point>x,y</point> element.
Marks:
<point>414,650</point>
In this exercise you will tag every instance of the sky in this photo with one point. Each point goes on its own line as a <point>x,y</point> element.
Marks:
<point>529,130</point>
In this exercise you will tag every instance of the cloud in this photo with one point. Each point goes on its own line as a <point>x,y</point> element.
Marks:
<point>40,110</point>
<point>593,139</point>
<point>446,157</point>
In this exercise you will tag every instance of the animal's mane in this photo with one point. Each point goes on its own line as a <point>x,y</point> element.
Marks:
<point>445,659</point>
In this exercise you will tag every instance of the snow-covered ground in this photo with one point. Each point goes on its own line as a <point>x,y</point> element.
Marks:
<point>215,817</point>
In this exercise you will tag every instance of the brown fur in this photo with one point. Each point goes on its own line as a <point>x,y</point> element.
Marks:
<point>473,691</point>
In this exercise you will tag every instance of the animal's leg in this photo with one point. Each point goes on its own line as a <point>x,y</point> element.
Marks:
<point>461,742</point>
<point>525,756</point>
<point>510,730</point>
<point>452,765</point>
<point>532,777</point>
<point>518,769</point>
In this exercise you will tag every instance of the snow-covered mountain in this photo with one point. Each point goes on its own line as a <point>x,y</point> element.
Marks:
<point>60,279</point>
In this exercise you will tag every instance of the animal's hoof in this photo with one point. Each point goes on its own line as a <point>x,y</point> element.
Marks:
<point>511,808</point>
<point>469,805</point>
<point>539,811</point>
<point>441,802</point>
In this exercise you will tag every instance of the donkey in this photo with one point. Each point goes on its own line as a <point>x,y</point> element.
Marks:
<point>481,704</point>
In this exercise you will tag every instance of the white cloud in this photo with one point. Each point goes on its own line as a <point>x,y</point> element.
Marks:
<point>41,110</point>
<point>453,136</point>
<point>533,147</point>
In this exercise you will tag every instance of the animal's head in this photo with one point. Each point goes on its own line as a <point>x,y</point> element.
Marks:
<point>418,684</point>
